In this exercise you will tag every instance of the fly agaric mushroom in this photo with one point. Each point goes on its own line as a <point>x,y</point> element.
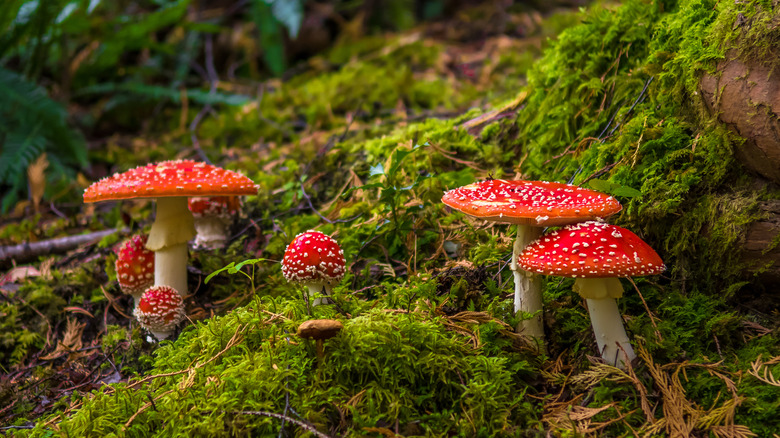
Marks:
<point>170,183</point>
<point>530,205</point>
<point>212,219</point>
<point>596,254</point>
<point>314,260</point>
<point>135,267</point>
<point>319,330</point>
<point>160,310</point>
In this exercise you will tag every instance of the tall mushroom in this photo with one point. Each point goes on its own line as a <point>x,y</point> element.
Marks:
<point>315,260</point>
<point>530,205</point>
<point>170,183</point>
<point>596,254</point>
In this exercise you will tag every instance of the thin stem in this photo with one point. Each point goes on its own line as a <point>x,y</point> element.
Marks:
<point>528,288</point>
<point>315,289</point>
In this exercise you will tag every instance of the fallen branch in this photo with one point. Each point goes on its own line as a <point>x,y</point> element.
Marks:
<point>28,251</point>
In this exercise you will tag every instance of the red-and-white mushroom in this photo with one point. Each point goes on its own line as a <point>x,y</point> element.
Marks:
<point>315,260</point>
<point>135,267</point>
<point>213,216</point>
<point>160,310</point>
<point>170,183</point>
<point>530,205</point>
<point>596,254</point>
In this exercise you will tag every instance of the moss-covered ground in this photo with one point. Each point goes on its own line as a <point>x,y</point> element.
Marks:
<point>361,145</point>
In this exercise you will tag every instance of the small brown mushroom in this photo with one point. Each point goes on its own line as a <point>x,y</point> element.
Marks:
<point>319,330</point>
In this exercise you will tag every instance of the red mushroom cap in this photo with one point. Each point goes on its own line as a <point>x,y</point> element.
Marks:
<point>540,203</point>
<point>313,257</point>
<point>170,178</point>
<point>217,206</point>
<point>591,249</point>
<point>160,310</point>
<point>135,266</point>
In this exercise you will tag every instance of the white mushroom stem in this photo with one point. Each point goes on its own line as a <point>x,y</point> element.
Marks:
<point>212,231</point>
<point>611,336</point>
<point>136,299</point>
<point>161,336</point>
<point>318,289</point>
<point>170,267</point>
<point>172,229</point>
<point>528,286</point>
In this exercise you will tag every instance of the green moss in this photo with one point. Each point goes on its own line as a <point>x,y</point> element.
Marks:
<point>588,116</point>
<point>428,347</point>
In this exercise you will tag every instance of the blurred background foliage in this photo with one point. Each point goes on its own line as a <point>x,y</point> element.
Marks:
<point>73,72</point>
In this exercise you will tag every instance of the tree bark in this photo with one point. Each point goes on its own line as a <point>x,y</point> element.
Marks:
<point>762,243</point>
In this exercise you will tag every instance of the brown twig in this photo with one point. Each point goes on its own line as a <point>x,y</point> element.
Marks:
<point>652,319</point>
<point>306,426</point>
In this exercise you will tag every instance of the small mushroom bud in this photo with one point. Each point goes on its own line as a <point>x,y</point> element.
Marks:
<point>314,260</point>
<point>160,310</point>
<point>135,267</point>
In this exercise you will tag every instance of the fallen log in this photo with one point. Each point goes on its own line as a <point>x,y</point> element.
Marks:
<point>25,252</point>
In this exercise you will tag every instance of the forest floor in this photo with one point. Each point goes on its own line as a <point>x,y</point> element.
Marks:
<point>360,143</point>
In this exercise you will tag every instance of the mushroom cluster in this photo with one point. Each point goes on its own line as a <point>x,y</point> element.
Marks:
<point>170,183</point>
<point>586,248</point>
<point>531,205</point>
<point>596,254</point>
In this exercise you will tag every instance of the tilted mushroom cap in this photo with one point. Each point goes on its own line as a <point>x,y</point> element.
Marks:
<point>313,257</point>
<point>160,310</point>
<point>134,266</point>
<point>590,250</point>
<point>319,329</point>
<point>170,178</point>
<point>540,203</point>
<point>219,206</point>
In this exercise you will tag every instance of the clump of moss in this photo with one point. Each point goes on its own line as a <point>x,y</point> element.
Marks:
<point>616,100</point>
<point>386,368</point>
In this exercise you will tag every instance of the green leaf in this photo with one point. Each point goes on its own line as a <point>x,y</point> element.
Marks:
<point>289,13</point>
<point>613,189</point>
<point>233,268</point>
<point>271,39</point>
<point>226,268</point>
<point>626,192</point>
<point>602,185</point>
<point>240,265</point>
<point>375,185</point>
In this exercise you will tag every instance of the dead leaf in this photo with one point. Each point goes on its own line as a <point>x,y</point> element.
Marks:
<point>36,177</point>
<point>70,343</point>
<point>19,273</point>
